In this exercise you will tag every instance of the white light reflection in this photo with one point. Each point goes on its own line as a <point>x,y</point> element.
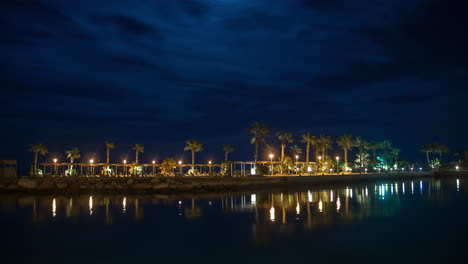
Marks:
<point>403,188</point>
<point>298,209</point>
<point>253,199</point>
<point>124,204</point>
<point>412,187</point>
<point>391,189</point>
<point>351,193</point>
<point>396,188</point>
<point>367,192</point>
<point>90,205</point>
<point>320,206</point>
<point>309,196</point>
<point>347,192</point>
<point>421,186</point>
<point>338,204</point>
<point>331,196</point>
<point>458,185</point>
<point>54,208</point>
<point>272,214</point>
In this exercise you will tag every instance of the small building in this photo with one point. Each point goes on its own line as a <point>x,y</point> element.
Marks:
<point>8,169</point>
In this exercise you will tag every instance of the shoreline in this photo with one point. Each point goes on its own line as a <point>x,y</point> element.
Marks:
<point>193,184</point>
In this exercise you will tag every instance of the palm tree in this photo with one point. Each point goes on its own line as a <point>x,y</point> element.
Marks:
<point>296,150</point>
<point>428,148</point>
<point>168,165</point>
<point>386,146</point>
<point>259,133</point>
<point>109,146</point>
<point>72,154</point>
<point>317,146</point>
<point>346,142</point>
<point>193,146</point>
<point>138,149</point>
<point>373,146</point>
<point>284,138</point>
<point>441,148</point>
<point>37,148</point>
<point>309,140</point>
<point>361,144</point>
<point>227,149</point>
<point>325,143</point>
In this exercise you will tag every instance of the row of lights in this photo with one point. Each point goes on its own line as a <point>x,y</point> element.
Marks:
<point>125,161</point>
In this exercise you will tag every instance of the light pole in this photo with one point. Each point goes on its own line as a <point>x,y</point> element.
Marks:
<point>180,167</point>
<point>55,167</point>
<point>91,161</point>
<point>209,167</point>
<point>125,168</point>
<point>271,163</point>
<point>320,163</point>
<point>154,168</point>
<point>337,167</point>
<point>297,158</point>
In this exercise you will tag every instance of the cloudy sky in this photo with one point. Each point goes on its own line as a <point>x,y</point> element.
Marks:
<point>77,73</point>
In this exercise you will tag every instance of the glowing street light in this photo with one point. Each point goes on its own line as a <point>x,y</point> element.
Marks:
<point>337,166</point>
<point>125,167</point>
<point>91,161</point>
<point>124,161</point>
<point>209,162</point>
<point>55,166</point>
<point>180,167</point>
<point>180,162</point>
<point>457,167</point>
<point>420,168</point>
<point>154,168</point>
<point>271,163</point>
<point>154,162</point>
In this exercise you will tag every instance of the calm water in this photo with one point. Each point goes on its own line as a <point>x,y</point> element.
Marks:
<point>387,221</point>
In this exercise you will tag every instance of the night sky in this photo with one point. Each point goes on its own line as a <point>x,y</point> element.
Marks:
<point>157,73</point>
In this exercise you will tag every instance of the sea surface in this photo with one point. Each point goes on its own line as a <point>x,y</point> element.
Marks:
<point>407,221</point>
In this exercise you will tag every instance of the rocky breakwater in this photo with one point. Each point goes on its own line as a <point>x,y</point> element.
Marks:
<point>78,185</point>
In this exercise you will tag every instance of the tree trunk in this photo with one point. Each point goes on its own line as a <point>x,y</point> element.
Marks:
<point>108,159</point>
<point>256,152</point>
<point>35,162</point>
<point>427,155</point>
<point>193,160</point>
<point>282,151</point>
<point>346,158</point>
<point>307,152</point>
<point>226,156</point>
<point>136,156</point>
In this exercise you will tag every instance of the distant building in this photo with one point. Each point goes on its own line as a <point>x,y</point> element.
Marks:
<point>8,169</point>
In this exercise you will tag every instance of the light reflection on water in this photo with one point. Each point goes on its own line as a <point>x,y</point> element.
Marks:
<point>312,208</point>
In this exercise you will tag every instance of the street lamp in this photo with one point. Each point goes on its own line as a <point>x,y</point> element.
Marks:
<point>271,163</point>
<point>125,167</point>
<point>91,161</point>
<point>457,167</point>
<point>55,166</point>
<point>180,167</point>
<point>209,167</point>
<point>320,162</point>
<point>297,157</point>
<point>337,161</point>
<point>154,168</point>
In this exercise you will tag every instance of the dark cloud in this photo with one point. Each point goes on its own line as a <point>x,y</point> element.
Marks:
<point>403,99</point>
<point>164,71</point>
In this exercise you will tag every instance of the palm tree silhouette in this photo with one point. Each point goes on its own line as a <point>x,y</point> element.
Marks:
<point>227,149</point>
<point>373,146</point>
<point>325,143</point>
<point>284,139</point>
<point>138,149</point>
<point>72,154</point>
<point>346,142</point>
<point>309,140</point>
<point>361,144</point>
<point>193,146</point>
<point>37,148</point>
<point>259,133</point>
<point>109,146</point>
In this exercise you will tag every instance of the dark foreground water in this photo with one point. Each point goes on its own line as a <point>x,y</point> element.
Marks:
<point>414,221</point>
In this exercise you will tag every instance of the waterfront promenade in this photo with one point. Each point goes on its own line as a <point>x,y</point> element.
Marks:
<point>181,184</point>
